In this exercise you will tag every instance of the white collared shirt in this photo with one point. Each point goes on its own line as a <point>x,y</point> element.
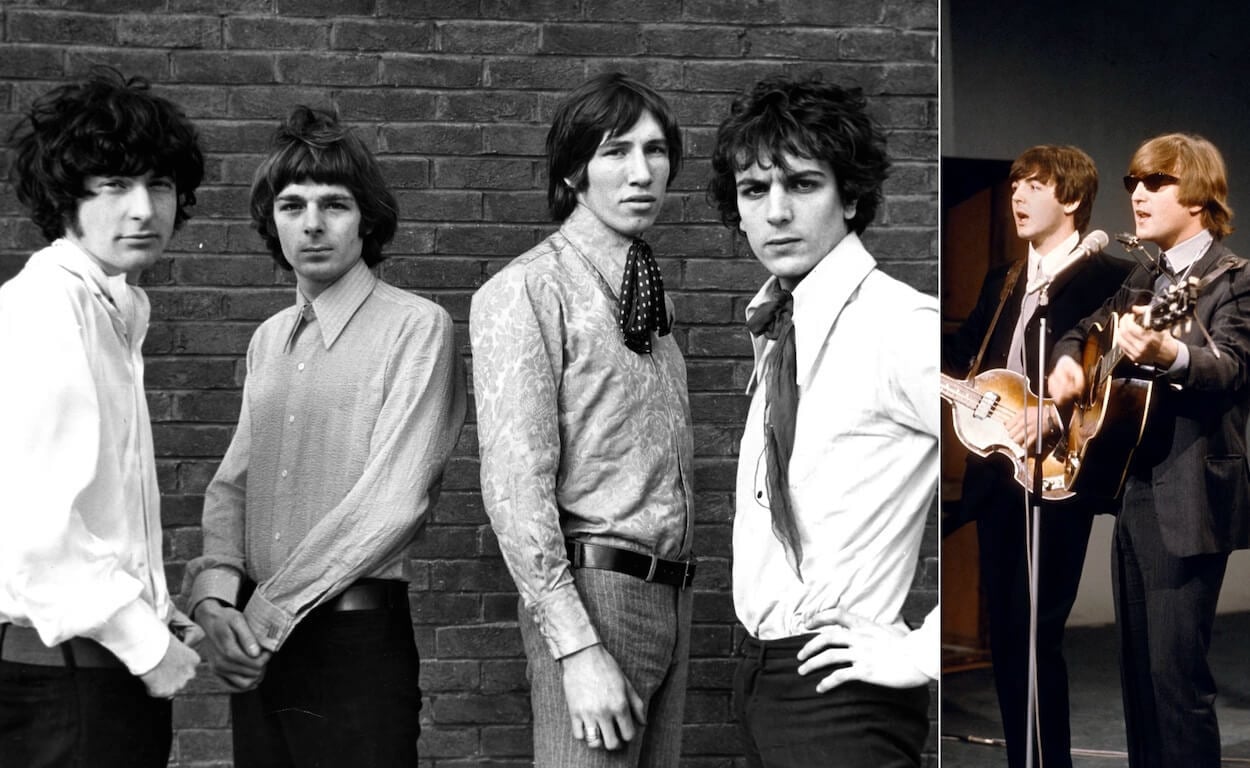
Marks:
<point>864,470</point>
<point>80,528</point>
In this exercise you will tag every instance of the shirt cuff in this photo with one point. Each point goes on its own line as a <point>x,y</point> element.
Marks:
<point>564,623</point>
<point>215,583</point>
<point>1181,363</point>
<point>271,624</point>
<point>136,635</point>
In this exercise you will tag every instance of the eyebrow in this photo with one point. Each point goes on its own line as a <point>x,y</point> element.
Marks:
<point>332,197</point>
<point>788,177</point>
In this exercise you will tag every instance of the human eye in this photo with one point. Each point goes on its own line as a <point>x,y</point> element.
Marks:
<point>289,206</point>
<point>162,183</point>
<point>750,191</point>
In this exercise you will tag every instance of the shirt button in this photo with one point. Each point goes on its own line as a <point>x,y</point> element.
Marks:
<point>300,367</point>
<point>291,420</point>
<point>277,536</point>
<point>284,473</point>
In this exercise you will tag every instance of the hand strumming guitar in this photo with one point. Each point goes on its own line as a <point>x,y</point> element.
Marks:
<point>1066,380</point>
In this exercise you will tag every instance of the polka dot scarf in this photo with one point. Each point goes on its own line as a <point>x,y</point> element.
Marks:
<point>642,308</point>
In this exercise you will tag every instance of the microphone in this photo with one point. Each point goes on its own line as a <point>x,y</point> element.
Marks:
<point>1093,243</point>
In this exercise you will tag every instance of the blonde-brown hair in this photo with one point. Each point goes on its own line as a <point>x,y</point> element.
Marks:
<point>1200,168</point>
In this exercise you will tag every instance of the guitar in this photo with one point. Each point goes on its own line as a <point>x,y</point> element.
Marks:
<point>1110,415</point>
<point>983,407</point>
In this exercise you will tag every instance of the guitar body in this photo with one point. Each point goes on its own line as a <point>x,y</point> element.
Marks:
<point>1108,419</point>
<point>983,407</point>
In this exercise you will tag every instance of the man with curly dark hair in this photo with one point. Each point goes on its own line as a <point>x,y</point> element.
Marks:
<point>91,647</point>
<point>354,399</point>
<point>838,462</point>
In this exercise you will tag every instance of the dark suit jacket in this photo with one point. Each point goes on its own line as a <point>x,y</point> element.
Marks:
<point>1076,294</point>
<point>1193,454</point>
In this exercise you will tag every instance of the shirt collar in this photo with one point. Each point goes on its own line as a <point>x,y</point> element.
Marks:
<point>603,247</point>
<point>818,300</point>
<point>1051,257</point>
<point>126,302</point>
<point>336,305</point>
<point>1185,253</point>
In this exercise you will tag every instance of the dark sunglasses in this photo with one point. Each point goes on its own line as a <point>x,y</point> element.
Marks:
<point>1152,181</point>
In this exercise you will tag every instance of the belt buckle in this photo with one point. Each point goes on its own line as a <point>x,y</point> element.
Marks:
<point>686,577</point>
<point>655,561</point>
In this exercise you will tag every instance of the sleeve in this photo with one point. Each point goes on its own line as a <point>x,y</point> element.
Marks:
<point>56,573</point>
<point>516,332</point>
<point>415,432</point>
<point>914,378</point>
<point>923,645</point>
<point>960,346</point>
<point>218,572</point>
<point>1230,331</point>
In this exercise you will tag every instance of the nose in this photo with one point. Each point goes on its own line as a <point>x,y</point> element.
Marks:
<point>1017,195</point>
<point>779,209</point>
<point>1139,193</point>
<point>140,202</point>
<point>639,169</point>
<point>312,219</point>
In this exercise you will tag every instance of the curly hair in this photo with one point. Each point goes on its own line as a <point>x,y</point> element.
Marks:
<point>805,118</point>
<point>311,145</point>
<point>605,105</point>
<point>106,126</point>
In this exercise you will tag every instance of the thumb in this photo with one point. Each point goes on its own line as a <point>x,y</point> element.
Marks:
<point>636,704</point>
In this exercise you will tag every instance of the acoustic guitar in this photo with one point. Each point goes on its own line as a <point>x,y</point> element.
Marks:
<point>984,406</point>
<point>1110,415</point>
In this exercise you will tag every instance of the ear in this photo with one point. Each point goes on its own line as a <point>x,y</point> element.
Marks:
<point>1070,208</point>
<point>848,211</point>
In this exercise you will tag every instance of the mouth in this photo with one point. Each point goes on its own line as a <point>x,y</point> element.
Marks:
<point>640,200</point>
<point>781,241</point>
<point>142,238</point>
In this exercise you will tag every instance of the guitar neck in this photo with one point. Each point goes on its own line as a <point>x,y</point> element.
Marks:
<point>958,392</point>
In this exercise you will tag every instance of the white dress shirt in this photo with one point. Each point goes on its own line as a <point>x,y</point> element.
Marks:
<point>865,465</point>
<point>80,528</point>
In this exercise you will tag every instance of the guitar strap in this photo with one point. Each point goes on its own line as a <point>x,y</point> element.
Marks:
<point>1228,262</point>
<point>1009,285</point>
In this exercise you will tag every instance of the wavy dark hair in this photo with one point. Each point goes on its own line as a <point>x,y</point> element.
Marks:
<point>106,126</point>
<point>311,145</point>
<point>805,118</point>
<point>1071,171</point>
<point>604,106</point>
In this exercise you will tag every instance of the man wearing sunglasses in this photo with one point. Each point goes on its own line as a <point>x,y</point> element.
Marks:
<point>1052,196</point>
<point>1186,501</point>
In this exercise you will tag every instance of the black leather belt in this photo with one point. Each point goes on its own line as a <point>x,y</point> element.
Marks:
<point>676,573</point>
<point>367,595</point>
<point>362,595</point>
<point>22,645</point>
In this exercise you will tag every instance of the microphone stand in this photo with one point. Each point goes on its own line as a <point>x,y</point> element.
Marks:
<point>1035,494</point>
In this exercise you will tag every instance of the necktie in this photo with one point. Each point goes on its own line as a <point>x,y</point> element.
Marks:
<point>642,308</point>
<point>773,320</point>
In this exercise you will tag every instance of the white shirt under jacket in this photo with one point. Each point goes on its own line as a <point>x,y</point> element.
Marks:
<point>80,529</point>
<point>864,470</point>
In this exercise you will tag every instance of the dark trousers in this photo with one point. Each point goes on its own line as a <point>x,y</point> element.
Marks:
<point>66,717</point>
<point>1002,530</point>
<point>1165,611</point>
<point>785,723</point>
<point>343,690</point>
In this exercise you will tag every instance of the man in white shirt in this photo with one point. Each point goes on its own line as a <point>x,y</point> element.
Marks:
<point>838,464</point>
<point>91,647</point>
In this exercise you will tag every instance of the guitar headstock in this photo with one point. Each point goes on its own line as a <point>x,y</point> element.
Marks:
<point>1172,305</point>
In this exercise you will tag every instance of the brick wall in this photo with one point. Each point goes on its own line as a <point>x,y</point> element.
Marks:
<point>456,96</point>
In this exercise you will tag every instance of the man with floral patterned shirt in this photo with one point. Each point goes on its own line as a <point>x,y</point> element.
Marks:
<point>585,439</point>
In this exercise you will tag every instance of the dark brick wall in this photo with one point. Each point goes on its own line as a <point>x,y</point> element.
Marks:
<point>455,96</point>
